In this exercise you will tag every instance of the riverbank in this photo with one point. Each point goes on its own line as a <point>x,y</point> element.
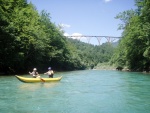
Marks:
<point>105,66</point>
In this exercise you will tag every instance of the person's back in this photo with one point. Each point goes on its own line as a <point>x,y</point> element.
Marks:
<point>50,72</point>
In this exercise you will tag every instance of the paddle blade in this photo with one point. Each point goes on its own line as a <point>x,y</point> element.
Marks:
<point>42,80</point>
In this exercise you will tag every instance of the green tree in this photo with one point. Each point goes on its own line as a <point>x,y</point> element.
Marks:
<point>135,42</point>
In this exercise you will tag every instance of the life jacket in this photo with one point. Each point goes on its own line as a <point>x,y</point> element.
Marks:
<point>35,73</point>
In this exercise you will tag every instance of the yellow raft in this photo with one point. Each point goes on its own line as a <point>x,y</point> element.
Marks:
<point>33,80</point>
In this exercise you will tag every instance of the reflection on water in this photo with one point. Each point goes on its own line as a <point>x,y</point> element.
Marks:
<point>35,86</point>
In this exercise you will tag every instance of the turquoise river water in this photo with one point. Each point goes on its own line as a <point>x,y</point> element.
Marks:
<point>89,91</point>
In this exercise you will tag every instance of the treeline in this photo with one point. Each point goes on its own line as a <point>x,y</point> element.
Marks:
<point>133,51</point>
<point>92,55</point>
<point>29,39</point>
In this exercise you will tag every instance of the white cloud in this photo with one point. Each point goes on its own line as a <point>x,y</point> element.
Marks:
<point>65,25</point>
<point>107,1</point>
<point>66,34</point>
<point>76,36</point>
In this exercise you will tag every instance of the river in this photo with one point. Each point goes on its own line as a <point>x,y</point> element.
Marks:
<point>89,91</point>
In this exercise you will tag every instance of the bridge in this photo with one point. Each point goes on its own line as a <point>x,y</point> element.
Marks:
<point>109,39</point>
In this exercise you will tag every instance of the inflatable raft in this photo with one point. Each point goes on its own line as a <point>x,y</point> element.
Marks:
<point>32,80</point>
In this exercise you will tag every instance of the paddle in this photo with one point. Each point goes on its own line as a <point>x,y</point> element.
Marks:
<point>41,78</point>
<point>37,76</point>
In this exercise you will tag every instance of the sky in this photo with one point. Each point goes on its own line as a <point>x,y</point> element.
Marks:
<point>86,17</point>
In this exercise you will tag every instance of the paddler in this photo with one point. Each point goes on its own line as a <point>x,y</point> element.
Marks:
<point>34,73</point>
<point>50,72</point>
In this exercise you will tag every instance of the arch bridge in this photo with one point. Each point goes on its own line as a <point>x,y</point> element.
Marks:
<point>109,39</point>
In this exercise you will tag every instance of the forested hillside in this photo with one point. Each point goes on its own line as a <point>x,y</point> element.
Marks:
<point>92,55</point>
<point>29,39</point>
<point>133,51</point>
